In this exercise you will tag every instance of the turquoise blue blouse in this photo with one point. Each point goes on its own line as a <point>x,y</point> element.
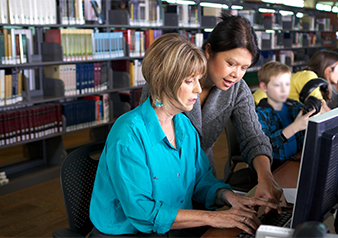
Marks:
<point>142,180</point>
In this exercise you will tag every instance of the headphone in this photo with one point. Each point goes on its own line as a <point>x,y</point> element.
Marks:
<point>312,102</point>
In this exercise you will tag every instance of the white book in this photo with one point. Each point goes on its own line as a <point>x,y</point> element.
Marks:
<point>89,11</point>
<point>36,16</point>
<point>185,15</point>
<point>18,11</point>
<point>53,11</point>
<point>3,11</point>
<point>81,20</point>
<point>2,87</point>
<point>11,11</point>
<point>13,56</point>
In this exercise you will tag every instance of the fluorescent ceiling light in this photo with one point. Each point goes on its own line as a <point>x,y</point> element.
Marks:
<point>236,7</point>
<point>182,2</point>
<point>214,5</point>
<point>335,9</point>
<point>293,3</point>
<point>266,10</point>
<point>323,7</point>
<point>299,14</point>
<point>208,29</point>
<point>285,13</point>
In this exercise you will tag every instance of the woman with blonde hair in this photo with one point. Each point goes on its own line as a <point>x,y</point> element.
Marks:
<point>152,166</point>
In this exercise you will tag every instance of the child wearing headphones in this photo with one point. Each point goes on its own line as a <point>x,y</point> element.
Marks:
<point>281,118</point>
<point>321,65</point>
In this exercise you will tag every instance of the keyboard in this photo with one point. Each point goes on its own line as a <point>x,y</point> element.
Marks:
<point>273,219</point>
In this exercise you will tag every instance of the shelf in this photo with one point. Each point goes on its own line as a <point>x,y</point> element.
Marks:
<point>36,64</point>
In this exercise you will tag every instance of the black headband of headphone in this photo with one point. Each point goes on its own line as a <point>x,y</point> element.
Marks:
<point>312,85</point>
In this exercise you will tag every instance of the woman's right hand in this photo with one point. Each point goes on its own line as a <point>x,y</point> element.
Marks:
<point>243,219</point>
<point>242,215</point>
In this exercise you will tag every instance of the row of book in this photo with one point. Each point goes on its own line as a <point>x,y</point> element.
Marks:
<point>16,46</point>
<point>79,78</point>
<point>279,40</point>
<point>44,12</point>
<point>28,12</point>
<point>11,87</point>
<point>42,120</point>
<point>143,12</point>
<point>85,44</point>
<point>87,112</point>
<point>30,123</point>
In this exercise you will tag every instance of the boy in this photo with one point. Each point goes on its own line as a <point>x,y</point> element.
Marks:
<point>281,118</point>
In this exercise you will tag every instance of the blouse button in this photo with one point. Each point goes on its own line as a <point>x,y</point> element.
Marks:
<point>181,201</point>
<point>178,175</point>
<point>155,178</point>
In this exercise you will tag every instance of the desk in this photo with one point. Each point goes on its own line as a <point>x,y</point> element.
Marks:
<point>286,176</point>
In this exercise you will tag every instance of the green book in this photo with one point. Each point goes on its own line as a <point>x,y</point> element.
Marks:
<point>2,48</point>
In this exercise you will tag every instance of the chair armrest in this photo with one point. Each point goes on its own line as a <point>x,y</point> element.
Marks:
<point>65,232</point>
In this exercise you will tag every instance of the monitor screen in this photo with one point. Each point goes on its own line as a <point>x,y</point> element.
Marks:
<point>317,180</point>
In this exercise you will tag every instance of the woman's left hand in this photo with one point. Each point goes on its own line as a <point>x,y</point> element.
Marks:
<point>269,189</point>
<point>246,203</point>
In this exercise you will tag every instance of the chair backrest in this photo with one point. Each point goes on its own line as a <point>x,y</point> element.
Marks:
<point>241,180</point>
<point>77,180</point>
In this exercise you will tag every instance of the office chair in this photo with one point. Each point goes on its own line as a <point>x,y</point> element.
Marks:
<point>242,180</point>
<point>77,180</point>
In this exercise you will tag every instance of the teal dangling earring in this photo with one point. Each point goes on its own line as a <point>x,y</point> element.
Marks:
<point>158,102</point>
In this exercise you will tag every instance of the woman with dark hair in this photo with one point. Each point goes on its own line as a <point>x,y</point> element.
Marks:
<point>231,49</point>
<point>321,65</point>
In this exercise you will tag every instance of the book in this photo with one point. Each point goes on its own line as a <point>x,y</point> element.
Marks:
<point>8,89</point>
<point>2,129</point>
<point>97,11</point>
<point>105,107</point>
<point>98,108</point>
<point>3,12</point>
<point>2,48</point>
<point>2,87</point>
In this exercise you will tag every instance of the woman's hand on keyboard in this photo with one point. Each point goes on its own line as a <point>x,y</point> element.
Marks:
<point>244,219</point>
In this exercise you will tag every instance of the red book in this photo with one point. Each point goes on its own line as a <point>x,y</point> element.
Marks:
<point>17,125</point>
<point>8,128</point>
<point>53,35</point>
<point>12,126</point>
<point>30,117</point>
<point>149,37</point>
<point>23,124</point>
<point>2,132</point>
<point>59,117</point>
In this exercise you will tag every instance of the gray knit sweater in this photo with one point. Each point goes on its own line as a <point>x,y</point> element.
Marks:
<point>237,104</point>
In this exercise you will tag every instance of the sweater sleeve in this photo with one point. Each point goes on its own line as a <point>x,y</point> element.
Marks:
<point>253,141</point>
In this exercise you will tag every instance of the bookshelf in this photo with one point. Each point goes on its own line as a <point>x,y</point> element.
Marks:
<point>55,39</point>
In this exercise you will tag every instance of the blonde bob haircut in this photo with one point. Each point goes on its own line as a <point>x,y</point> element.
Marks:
<point>169,60</point>
<point>271,69</point>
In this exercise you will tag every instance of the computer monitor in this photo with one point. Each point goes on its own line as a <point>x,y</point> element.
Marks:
<point>318,175</point>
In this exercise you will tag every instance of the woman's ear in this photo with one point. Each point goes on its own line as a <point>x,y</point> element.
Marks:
<point>262,85</point>
<point>208,51</point>
<point>327,72</point>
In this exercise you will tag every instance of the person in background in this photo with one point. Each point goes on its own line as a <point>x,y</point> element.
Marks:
<point>231,48</point>
<point>281,118</point>
<point>323,65</point>
<point>152,165</point>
